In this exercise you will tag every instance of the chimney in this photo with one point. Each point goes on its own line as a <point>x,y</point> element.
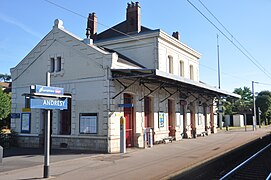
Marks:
<point>91,30</point>
<point>133,18</point>
<point>176,35</point>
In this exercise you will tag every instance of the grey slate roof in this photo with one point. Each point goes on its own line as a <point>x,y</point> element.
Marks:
<point>117,30</point>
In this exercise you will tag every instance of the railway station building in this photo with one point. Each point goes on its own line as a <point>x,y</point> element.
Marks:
<point>145,75</point>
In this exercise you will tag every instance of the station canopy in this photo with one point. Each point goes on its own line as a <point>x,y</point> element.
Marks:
<point>166,80</point>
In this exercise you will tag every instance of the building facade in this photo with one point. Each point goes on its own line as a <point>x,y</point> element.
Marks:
<point>144,75</point>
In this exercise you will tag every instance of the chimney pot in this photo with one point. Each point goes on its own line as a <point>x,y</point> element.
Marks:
<point>91,30</point>
<point>133,17</point>
<point>176,35</point>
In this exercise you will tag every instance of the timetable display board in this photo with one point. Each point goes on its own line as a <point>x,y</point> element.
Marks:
<point>88,123</point>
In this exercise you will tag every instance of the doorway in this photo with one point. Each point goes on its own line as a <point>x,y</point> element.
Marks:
<point>148,116</point>
<point>193,120</point>
<point>171,118</point>
<point>129,117</point>
<point>65,119</point>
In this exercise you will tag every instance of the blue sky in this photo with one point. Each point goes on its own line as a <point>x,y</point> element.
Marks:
<point>24,23</point>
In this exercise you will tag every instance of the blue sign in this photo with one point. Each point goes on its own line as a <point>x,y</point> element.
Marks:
<point>15,115</point>
<point>126,105</point>
<point>46,90</point>
<point>47,103</point>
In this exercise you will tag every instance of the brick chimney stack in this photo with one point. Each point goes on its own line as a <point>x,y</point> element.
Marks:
<point>133,18</point>
<point>176,35</point>
<point>91,30</point>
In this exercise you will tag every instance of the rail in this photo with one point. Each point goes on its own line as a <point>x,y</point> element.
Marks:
<point>246,161</point>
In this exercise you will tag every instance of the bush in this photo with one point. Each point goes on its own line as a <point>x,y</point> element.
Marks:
<point>8,138</point>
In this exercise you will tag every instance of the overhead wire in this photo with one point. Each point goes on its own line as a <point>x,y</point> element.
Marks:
<point>82,16</point>
<point>227,74</point>
<point>246,55</point>
<point>233,36</point>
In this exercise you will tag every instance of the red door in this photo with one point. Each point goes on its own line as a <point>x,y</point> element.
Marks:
<point>128,114</point>
<point>171,127</point>
<point>147,112</point>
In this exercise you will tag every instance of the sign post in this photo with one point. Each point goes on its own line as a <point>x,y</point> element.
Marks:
<point>122,135</point>
<point>47,137</point>
<point>47,97</point>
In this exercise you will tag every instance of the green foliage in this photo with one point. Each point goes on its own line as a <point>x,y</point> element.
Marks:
<point>5,77</point>
<point>5,104</point>
<point>263,101</point>
<point>242,105</point>
<point>227,106</point>
<point>8,138</point>
<point>245,103</point>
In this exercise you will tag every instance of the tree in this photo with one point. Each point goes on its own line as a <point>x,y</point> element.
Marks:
<point>263,101</point>
<point>245,103</point>
<point>5,104</point>
<point>5,77</point>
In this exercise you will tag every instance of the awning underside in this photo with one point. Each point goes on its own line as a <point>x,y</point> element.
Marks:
<point>166,80</point>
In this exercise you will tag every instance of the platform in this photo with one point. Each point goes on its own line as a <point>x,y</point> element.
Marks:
<point>159,162</point>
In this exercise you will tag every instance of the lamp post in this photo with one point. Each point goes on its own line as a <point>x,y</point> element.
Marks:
<point>254,106</point>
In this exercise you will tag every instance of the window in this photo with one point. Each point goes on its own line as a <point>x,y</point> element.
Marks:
<point>191,72</point>
<point>181,68</point>
<point>88,123</point>
<point>170,64</point>
<point>65,119</point>
<point>52,64</point>
<point>55,64</point>
<point>58,63</point>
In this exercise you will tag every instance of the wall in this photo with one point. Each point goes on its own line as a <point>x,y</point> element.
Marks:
<point>83,75</point>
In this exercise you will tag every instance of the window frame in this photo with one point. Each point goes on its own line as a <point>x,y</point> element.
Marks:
<point>191,71</point>
<point>170,64</point>
<point>181,70</point>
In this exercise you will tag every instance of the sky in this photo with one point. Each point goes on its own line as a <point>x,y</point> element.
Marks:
<point>24,23</point>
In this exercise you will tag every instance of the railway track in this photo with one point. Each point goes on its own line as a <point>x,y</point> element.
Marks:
<point>250,161</point>
<point>257,166</point>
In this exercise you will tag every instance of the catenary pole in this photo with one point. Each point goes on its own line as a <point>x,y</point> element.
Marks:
<point>254,107</point>
<point>219,100</point>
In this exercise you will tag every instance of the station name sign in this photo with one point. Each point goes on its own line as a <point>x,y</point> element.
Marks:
<point>42,103</point>
<point>46,90</point>
<point>47,97</point>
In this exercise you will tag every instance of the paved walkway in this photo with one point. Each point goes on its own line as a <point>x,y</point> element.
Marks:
<point>159,162</point>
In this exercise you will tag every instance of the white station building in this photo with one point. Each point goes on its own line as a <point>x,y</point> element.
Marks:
<point>131,71</point>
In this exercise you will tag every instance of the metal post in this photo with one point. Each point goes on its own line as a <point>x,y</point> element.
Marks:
<point>218,63</point>
<point>47,137</point>
<point>254,108</point>
<point>259,116</point>
<point>220,113</point>
<point>150,138</point>
<point>245,122</point>
<point>218,73</point>
<point>122,135</point>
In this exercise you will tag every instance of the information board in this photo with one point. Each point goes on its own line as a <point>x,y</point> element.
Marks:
<point>25,122</point>
<point>88,123</point>
<point>161,119</point>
